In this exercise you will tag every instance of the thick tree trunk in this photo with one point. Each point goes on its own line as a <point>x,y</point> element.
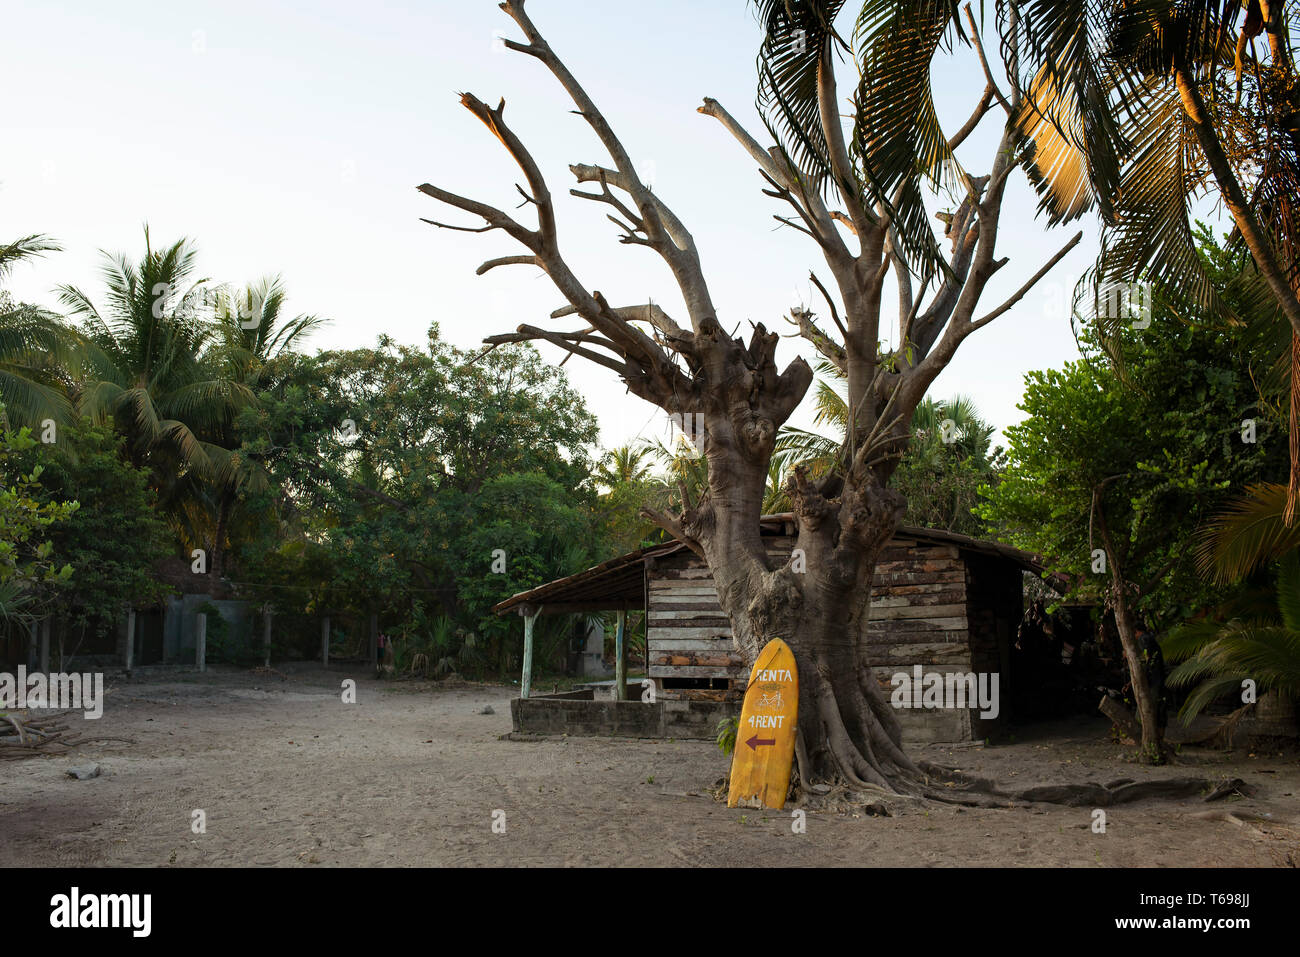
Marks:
<point>848,732</point>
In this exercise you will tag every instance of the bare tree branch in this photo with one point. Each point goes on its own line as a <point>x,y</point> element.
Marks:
<point>681,254</point>
<point>507,261</point>
<point>984,63</point>
<point>981,110</point>
<point>1033,280</point>
<point>828,347</point>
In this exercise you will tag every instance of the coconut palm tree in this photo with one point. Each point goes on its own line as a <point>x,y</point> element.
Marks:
<point>1256,633</point>
<point>253,331</point>
<point>1134,109</point>
<point>36,349</point>
<point>623,465</point>
<point>252,334</point>
<point>150,362</point>
<point>940,428</point>
<point>1138,109</point>
<point>686,470</point>
<point>1250,533</point>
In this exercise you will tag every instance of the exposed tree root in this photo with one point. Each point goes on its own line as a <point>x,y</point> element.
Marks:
<point>1123,791</point>
<point>1250,821</point>
<point>850,754</point>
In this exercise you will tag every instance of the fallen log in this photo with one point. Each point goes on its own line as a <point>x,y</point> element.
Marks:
<point>1122,716</point>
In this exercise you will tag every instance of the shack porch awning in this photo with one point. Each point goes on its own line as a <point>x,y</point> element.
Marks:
<point>614,585</point>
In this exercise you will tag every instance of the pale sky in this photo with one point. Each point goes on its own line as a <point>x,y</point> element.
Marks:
<point>290,137</point>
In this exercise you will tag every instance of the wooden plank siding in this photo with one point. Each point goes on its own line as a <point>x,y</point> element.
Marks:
<point>932,604</point>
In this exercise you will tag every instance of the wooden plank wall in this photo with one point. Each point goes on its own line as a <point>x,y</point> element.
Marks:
<point>687,633</point>
<point>919,616</point>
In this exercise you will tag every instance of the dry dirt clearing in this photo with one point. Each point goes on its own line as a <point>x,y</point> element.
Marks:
<point>289,775</point>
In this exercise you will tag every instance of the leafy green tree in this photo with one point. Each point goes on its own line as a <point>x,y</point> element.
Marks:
<point>114,537</point>
<point>1109,476</point>
<point>521,531</point>
<point>29,571</point>
<point>386,463</point>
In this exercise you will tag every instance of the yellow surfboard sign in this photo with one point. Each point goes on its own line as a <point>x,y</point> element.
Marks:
<point>760,764</point>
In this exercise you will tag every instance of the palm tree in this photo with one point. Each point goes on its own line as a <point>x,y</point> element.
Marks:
<point>35,347</point>
<point>253,334</point>
<point>941,430</point>
<point>1146,109</point>
<point>151,365</point>
<point>624,465</point>
<point>949,427</point>
<point>148,369</point>
<point>686,470</point>
<point>1256,633</point>
<point>1138,109</point>
<point>1254,637</point>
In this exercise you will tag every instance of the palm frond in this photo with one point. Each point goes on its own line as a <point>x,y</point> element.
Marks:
<point>1152,239</point>
<point>1057,53</point>
<point>24,248</point>
<point>898,145</point>
<point>1250,532</point>
<point>796,32</point>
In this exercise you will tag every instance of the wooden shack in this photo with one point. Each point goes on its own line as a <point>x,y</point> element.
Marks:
<point>945,602</point>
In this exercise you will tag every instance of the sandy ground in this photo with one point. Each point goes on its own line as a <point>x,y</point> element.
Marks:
<point>289,775</point>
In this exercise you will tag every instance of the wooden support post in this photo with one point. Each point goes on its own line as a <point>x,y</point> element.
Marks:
<point>620,656</point>
<point>201,642</point>
<point>374,642</point>
<point>266,634</point>
<point>325,641</point>
<point>526,683</point>
<point>130,639</point>
<point>45,646</point>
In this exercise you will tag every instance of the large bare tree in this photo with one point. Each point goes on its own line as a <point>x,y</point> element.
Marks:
<point>847,730</point>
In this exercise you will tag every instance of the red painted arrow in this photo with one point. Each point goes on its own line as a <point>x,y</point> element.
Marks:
<point>755,741</point>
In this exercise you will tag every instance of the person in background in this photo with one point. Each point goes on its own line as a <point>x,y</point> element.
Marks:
<point>1154,661</point>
